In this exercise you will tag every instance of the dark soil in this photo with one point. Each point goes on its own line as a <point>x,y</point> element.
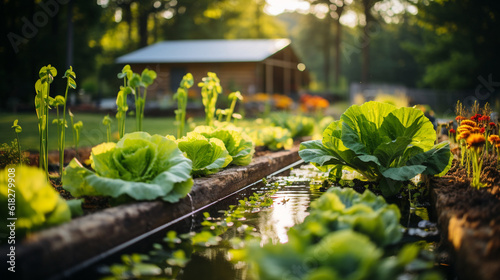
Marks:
<point>469,219</point>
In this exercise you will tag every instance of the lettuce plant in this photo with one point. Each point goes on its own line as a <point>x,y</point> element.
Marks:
<point>238,144</point>
<point>138,166</point>
<point>383,143</point>
<point>343,238</point>
<point>339,209</point>
<point>37,204</point>
<point>272,137</point>
<point>208,155</point>
<point>299,126</point>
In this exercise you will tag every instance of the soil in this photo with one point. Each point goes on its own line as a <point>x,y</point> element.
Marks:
<point>469,219</point>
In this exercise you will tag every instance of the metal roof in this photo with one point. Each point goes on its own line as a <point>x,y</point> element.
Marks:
<point>189,51</point>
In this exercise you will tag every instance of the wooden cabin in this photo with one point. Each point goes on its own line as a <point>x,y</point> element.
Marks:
<point>248,65</point>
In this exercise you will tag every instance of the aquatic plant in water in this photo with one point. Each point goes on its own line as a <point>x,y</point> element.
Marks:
<point>383,143</point>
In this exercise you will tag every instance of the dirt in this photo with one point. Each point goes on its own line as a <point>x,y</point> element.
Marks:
<point>469,219</point>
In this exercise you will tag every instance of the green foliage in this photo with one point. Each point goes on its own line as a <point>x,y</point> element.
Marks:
<point>106,121</point>
<point>182,97</point>
<point>208,155</point>
<point>42,106</point>
<point>233,96</point>
<point>210,90</point>
<point>272,137</point>
<point>339,209</point>
<point>383,143</point>
<point>37,204</point>
<point>122,108</point>
<point>238,144</point>
<point>298,125</point>
<point>18,129</point>
<point>12,154</point>
<point>342,238</point>
<point>139,166</point>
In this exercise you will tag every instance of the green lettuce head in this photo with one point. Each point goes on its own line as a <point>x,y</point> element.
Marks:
<point>139,166</point>
<point>37,204</point>
<point>209,155</point>
<point>238,144</point>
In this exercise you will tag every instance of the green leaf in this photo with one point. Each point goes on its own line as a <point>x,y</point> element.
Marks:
<point>148,77</point>
<point>38,205</point>
<point>47,74</point>
<point>134,82</point>
<point>238,144</point>
<point>139,166</point>
<point>17,128</point>
<point>208,155</point>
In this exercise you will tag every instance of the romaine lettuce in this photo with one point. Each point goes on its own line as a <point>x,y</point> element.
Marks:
<point>139,166</point>
<point>238,144</point>
<point>385,144</point>
<point>208,155</point>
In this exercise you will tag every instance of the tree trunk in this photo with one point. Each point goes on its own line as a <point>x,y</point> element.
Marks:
<point>338,40</point>
<point>365,47</point>
<point>143,27</point>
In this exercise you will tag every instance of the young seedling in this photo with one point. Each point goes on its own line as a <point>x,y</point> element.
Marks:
<point>125,74</point>
<point>147,78</point>
<point>77,127</point>
<point>233,96</point>
<point>210,89</point>
<point>17,129</point>
<point>61,124</point>
<point>42,105</point>
<point>70,83</point>
<point>106,121</point>
<point>182,96</point>
<point>121,114</point>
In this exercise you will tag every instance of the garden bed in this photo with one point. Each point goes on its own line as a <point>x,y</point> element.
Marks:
<point>469,221</point>
<point>57,249</point>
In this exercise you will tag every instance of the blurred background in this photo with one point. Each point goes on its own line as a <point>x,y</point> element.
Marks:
<point>426,51</point>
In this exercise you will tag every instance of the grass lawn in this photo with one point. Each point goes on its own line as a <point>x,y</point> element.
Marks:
<point>92,133</point>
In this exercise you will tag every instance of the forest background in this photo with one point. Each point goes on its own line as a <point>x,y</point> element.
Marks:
<point>436,44</point>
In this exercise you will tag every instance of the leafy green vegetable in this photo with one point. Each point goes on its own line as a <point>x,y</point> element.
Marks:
<point>238,144</point>
<point>273,137</point>
<point>383,143</point>
<point>139,166</point>
<point>208,155</point>
<point>37,204</point>
<point>342,238</point>
<point>298,125</point>
<point>366,213</point>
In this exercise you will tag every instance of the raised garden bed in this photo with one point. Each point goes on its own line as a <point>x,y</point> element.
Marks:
<point>469,220</point>
<point>54,250</point>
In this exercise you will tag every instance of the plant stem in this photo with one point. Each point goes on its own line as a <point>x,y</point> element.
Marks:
<point>18,147</point>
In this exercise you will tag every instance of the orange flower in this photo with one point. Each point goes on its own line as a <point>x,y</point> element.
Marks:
<point>464,127</point>
<point>475,141</point>
<point>494,139</point>
<point>469,122</point>
<point>463,135</point>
